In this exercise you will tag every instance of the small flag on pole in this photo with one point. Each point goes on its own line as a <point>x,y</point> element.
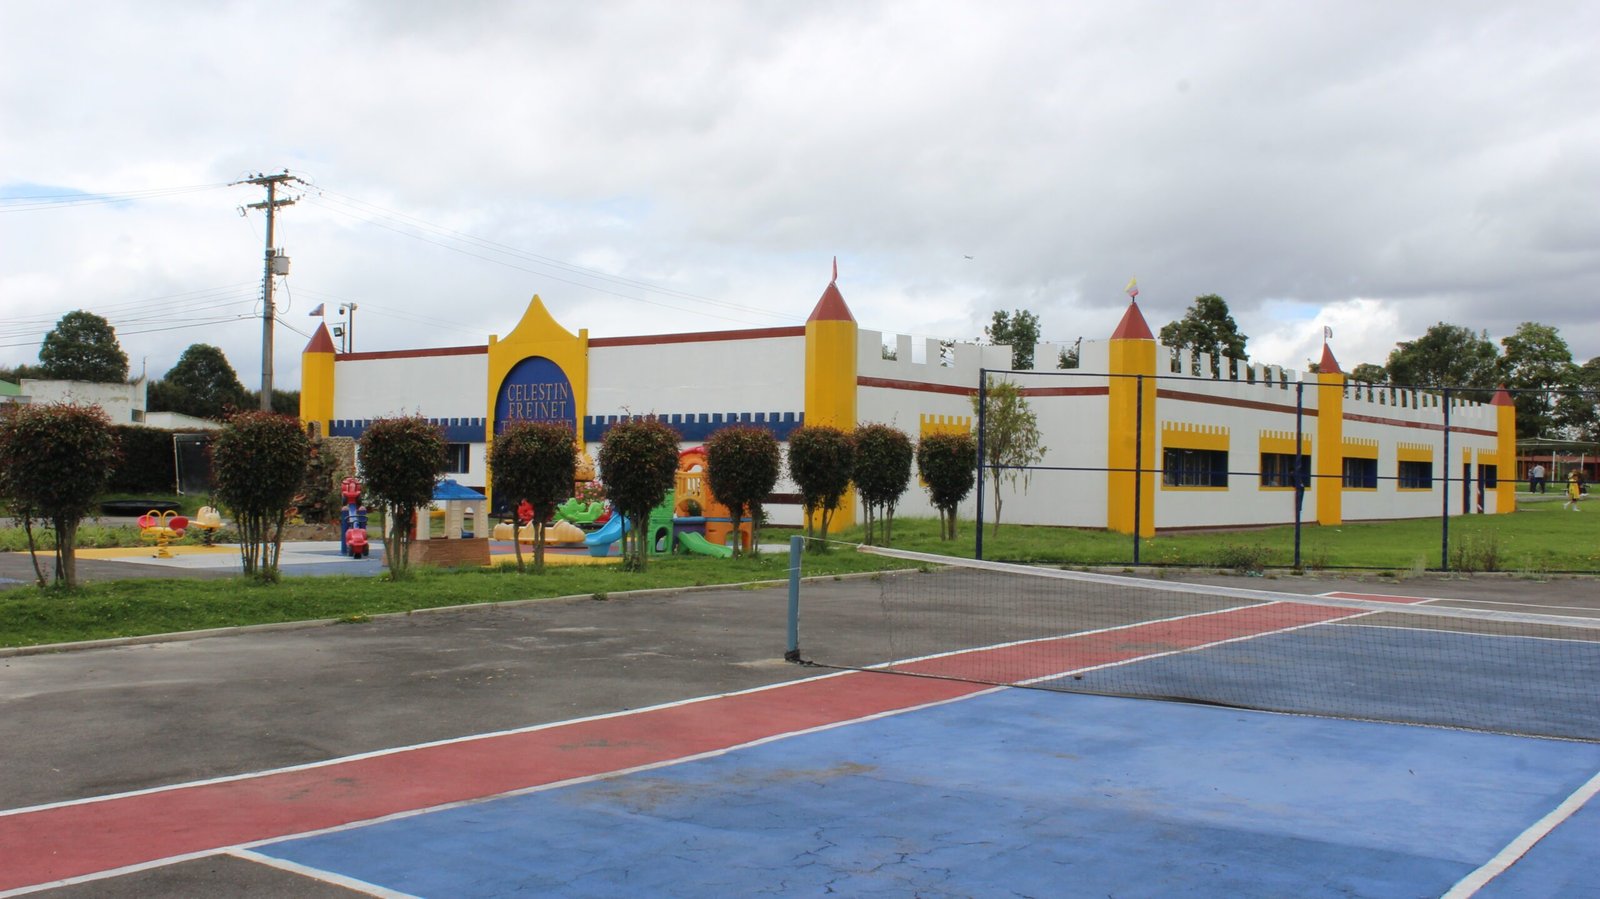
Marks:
<point>319,309</point>
<point>836,268</point>
<point>1327,332</point>
<point>1132,290</point>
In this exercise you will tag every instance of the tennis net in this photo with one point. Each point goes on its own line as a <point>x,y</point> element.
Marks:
<point>1359,656</point>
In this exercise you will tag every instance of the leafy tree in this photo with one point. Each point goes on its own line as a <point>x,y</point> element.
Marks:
<point>821,460</point>
<point>639,461</point>
<point>284,402</point>
<point>401,460</point>
<point>1367,373</point>
<point>202,384</point>
<point>1207,327</point>
<point>948,464</point>
<point>1010,438</point>
<point>16,373</point>
<point>1578,412</point>
<point>1537,362</point>
<point>882,473</point>
<point>83,347</point>
<point>54,461</point>
<point>742,465</point>
<point>537,462</point>
<point>318,495</point>
<point>1447,356</point>
<point>1018,330</point>
<point>1068,357</point>
<point>259,462</point>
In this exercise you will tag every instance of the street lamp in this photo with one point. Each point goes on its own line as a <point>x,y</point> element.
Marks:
<point>349,327</point>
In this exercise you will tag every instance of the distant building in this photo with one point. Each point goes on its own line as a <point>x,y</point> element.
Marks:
<point>123,403</point>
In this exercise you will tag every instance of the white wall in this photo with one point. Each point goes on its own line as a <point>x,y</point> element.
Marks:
<point>123,403</point>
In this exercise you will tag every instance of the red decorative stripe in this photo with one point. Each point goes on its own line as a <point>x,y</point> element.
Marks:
<point>415,354</point>
<point>956,390</point>
<point>700,336</point>
<point>1420,425</point>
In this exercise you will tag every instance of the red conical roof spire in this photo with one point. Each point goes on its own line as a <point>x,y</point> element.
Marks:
<point>1132,326</point>
<point>1502,397</point>
<point>1328,365</point>
<point>831,307</point>
<point>321,342</point>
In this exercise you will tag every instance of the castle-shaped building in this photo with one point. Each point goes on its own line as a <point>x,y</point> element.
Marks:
<point>1139,436</point>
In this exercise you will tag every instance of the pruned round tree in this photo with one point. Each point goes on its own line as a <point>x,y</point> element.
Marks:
<point>258,463</point>
<point>401,460</point>
<point>882,473</point>
<point>639,462</point>
<point>54,462</point>
<point>83,347</point>
<point>948,464</point>
<point>536,462</point>
<point>742,465</point>
<point>821,460</point>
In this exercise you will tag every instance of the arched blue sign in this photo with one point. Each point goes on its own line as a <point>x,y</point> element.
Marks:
<point>536,389</point>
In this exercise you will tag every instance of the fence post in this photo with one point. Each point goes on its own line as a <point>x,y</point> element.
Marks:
<point>1299,465</point>
<point>1444,501</point>
<point>983,402</point>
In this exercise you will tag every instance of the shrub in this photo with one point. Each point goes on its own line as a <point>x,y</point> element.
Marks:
<point>533,461</point>
<point>147,464</point>
<point>401,460</point>
<point>948,464</point>
<point>639,461</point>
<point>821,460</point>
<point>54,459</point>
<point>742,465</point>
<point>882,473</point>
<point>259,460</point>
<point>1243,558</point>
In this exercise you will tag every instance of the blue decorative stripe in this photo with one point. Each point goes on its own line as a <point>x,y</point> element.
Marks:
<point>456,430</point>
<point>700,426</point>
<point>692,426</point>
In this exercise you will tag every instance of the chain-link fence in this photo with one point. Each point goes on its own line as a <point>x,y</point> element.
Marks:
<point>1255,467</point>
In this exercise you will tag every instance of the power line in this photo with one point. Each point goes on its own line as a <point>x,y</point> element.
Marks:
<point>39,202</point>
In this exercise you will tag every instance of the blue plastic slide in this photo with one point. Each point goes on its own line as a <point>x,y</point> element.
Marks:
<point>609,533</point>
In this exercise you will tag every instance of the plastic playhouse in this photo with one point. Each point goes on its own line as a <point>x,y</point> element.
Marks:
<point>701,524</point>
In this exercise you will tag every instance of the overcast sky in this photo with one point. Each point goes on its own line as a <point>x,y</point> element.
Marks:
<point>656,167</point>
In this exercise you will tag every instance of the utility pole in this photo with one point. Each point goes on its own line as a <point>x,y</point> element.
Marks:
<point>271,262</point>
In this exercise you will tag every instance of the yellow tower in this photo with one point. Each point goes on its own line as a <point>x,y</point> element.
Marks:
<point>1131,411</point>
<point>1506,448</point>
<point>316,380</point>
<point>831,374</point>
<point>1328,461</point>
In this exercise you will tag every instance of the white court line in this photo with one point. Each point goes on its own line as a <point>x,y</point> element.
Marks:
<point>1517,848</point>
<point>349,883</point>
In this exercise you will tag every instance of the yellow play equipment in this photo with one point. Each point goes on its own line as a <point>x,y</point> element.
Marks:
<point>162,528</point>
<point>209,521</point>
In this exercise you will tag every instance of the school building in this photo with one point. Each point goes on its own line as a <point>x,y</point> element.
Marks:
<point>1135,432</point>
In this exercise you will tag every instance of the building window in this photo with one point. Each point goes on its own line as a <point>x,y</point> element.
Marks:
<point>1278,469</point>
<point>1194,468</point>
<point>457,457</point>
<point>1416,475</point>
<point>1361,474</point>
<point>1490,475</point>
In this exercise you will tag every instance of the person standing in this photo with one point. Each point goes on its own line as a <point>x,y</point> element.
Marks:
<point>1574,491</point>
<point>1536,478</point>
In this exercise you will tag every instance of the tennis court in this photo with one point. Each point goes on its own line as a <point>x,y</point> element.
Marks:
<point>862,782</point>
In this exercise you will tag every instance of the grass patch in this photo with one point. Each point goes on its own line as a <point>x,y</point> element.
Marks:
<point>1539,536</point>
<point>29,616</point>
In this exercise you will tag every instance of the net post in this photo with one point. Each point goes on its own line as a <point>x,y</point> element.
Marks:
<point>1444,500</point>
<point>983,402</point>
<point>791,652</point>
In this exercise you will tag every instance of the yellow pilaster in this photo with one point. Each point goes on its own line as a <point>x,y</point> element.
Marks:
<point>1506,448</point>
<point>1132,352</point>
<point>831,336</point>
<point>1328,459</point>
<point>316,381</point>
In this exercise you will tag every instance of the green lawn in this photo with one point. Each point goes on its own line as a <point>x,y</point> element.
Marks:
<point>29,616</point>
<point>1540,537</point>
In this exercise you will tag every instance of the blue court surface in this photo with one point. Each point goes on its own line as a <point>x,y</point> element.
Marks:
<point>1021,792</point>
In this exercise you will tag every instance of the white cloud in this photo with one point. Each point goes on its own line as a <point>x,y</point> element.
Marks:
<point>1387,166</point>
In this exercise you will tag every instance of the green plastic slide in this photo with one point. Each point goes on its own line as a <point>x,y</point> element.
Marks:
<point>697,544</point>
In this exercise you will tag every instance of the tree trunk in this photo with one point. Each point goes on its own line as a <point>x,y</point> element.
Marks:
<point>66,546</point>
<point>538,547</point>
<point>516,541</point>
